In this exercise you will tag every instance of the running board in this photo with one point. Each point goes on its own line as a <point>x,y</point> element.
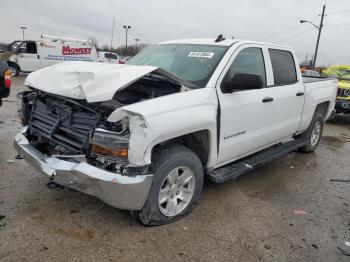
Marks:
<point>240,167</point>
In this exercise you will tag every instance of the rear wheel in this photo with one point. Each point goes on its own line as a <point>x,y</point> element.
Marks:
<point>177,186</point>
<point>313,134</point>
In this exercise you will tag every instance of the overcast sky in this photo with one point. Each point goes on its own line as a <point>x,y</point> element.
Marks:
<point>157,20</point>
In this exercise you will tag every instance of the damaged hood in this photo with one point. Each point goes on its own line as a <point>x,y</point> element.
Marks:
<point>95,82</point>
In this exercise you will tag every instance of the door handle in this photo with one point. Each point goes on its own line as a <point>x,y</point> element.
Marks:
<point>267,99</point>
<point>300,93</point>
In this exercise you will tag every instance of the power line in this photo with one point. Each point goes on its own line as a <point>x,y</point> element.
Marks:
<point>295,35</point>
<point>339,12</point>
<point>336,2</point>
<point>284,24</point>
<point>283,31</point>
<point>340,24</point>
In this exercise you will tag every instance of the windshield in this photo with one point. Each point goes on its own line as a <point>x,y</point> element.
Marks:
<point>13,46</point>
<point>340,73</point>
<point>194,63</point>
<point>344,74</point>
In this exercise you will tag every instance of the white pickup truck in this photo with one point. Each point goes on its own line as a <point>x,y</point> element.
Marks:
<point>143,136</point>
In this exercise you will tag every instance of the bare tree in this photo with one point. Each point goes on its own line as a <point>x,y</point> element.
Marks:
<point>94,41</point>
<point>131,50</point>
<point>121,50</point>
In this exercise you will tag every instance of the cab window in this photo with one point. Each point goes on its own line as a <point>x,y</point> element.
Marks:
<point>111,56</point>
<point>28,47</point>
<point>249,61</point>
<point>31,48</point>
<point>283,66</point>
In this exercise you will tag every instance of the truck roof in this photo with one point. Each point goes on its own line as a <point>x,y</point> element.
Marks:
<point>211,41</point>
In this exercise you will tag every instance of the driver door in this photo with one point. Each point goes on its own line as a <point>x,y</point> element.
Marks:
<point>245,115</point>
<point>28,57</point>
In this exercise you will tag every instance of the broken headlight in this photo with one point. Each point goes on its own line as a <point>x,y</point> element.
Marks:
<point>25,101</point>
<point>109,146</point>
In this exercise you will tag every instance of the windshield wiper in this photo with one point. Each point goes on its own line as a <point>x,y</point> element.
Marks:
<point>171,78</point>
<point>161,78</point>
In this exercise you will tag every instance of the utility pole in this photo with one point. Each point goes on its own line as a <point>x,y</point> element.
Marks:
<point>313,64</point>
<point>112,31</point>
<point>126,27</point>
<point>307,56</point>
<point>312,59</point>
<point>23,28</point>
<point>319,36</point>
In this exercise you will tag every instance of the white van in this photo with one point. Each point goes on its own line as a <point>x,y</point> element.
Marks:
<point>28,56</point>
<point>108,57</point>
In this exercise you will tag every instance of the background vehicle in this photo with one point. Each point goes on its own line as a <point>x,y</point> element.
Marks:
<point>143,136</point>
<point>124,59</point>
<point>28,56</point>
<point>5,81</point>
<point>3,47</point>
<point>342,73</point>
<point>311,73</point>
<point>108,57</point>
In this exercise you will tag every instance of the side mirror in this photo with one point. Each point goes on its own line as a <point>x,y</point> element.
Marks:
<point>242,82</point>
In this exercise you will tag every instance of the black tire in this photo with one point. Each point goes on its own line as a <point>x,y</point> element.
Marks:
<point>164,161</point>
<point>14,68</point>
<point>310,146</point>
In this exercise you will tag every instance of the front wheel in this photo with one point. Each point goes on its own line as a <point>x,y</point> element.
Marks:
<point>313,134</point>
<point>176,188</point>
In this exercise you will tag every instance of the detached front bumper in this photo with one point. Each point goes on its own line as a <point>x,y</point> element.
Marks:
<point>124,192</point>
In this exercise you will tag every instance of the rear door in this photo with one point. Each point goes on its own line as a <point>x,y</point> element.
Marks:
<point>288,94</point>
<point>245,115</point>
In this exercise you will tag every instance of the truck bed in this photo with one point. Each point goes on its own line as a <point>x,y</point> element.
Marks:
<point>310,79</point>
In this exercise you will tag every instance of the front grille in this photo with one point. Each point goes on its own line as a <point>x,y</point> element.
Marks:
<point>66,124</point>
<point>343,92</point>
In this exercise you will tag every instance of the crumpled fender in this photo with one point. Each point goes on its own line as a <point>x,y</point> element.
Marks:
<point>157,120</point>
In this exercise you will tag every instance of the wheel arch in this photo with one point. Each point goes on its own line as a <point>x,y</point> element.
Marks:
<point>199,142</point>
<point>9,63</point>
<point>323,109</point>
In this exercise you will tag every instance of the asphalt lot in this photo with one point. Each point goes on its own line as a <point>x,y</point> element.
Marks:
<point>250,219</point>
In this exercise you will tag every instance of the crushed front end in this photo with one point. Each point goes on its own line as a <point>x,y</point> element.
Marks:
<point>72,142</point>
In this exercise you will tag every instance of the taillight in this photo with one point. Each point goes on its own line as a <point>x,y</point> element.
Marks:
<point>7,77</point>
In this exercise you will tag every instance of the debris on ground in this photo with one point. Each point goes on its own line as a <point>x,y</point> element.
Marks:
<point>299,212</point>
<point>314,246</point>
<point>19,157</point>
<point>2,217</point>
<point>347,243</point>
<point>55,186</point>
<point>343,252</point>
<point>10,161</point>
<point>339,180</point>
<point>267,246</point>
<point>44,248</point>
<point>2,225</point>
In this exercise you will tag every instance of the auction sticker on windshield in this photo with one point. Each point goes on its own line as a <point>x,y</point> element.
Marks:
<point>207,55</point>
